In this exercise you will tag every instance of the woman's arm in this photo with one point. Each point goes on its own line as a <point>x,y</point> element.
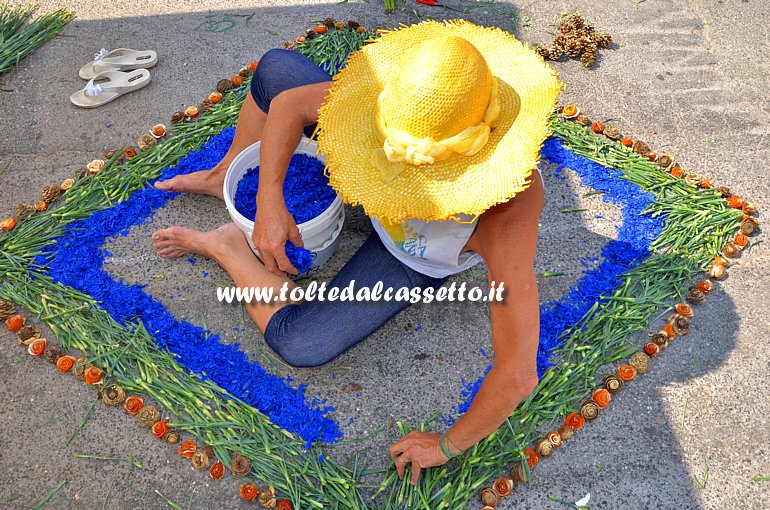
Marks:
<point>506,237</point>
<point>290,111</point>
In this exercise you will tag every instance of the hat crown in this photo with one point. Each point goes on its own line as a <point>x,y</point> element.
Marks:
<point>438,88</point>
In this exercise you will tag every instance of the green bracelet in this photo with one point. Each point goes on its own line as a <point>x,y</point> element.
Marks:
<point>445,449</point>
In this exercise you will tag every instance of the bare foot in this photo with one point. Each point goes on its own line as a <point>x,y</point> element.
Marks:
<point>177,241</point>
<point>205,182</point>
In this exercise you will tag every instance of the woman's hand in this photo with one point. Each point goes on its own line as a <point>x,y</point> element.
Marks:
<point>273,226</point>
<point>421,449</point>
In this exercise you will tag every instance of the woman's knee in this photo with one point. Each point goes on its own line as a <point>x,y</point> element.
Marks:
<point>297,344</point>
<point>299,350</point>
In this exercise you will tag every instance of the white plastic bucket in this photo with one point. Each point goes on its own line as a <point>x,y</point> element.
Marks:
<point>320,234</point>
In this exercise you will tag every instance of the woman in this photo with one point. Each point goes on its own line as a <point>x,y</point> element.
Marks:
<point>433,129</point>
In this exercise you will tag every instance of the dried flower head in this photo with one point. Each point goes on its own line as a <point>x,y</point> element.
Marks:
<point>730,250</point>
<point>23,211</point>
<point>749,225</point>
<point>266,497</point>
<point>717,271</point>
<point>489,497</point>
<point>695,295</point>
<point>641,362</point>
<point>640,147</point>
<point>520,472</point>
<point>113,396</point>
<point>613,383</point>
<point>749,207</point>
<point>589,410</point>
<point>680,323</point>
<point>554,438</point>
<point>172,437</point>
<point>240,465</point>
<point>53,353</point>
<point>566,432</point>
<point>200,460</point>
<point>27,333</point>
<point>224,85</point>
<point>148,415</point>
<point>37,347</point>
<point>146,141</point>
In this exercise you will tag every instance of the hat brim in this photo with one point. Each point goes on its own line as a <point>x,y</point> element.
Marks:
<point>459,185</point>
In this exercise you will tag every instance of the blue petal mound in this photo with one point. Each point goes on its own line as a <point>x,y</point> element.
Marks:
<point>76,260</point>
<point>306,190</point>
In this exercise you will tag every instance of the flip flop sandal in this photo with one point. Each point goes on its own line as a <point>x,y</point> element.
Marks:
<point>121,59</point>
<point>112,85</point>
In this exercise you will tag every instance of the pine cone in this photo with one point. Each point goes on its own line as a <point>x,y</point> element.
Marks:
<point>692,178</point>
<point>224,85</point>
<point>640,147</point>
<point>560,41</point>
<point>178,117</point>
<point>612,132</point>
<point>588,59</point>
<point>563,26</point>
<point>22,212</point>
<point>147,416</point>
<point>53,353</point>
<point>200,460</point>
<point>6,309</point>
<point>206,105</point>
<point>572,48</point>
<point>695,295</point>
<point>665,161</point>
<point>583,120</point>
<point>113,396</point>
<point>603,40</point>
<point>542,50</point>
<point>51,193</point>
<point>555,53</point>
<point>146,141</point>
<point>290,45</point>
<point>240,465</point>
<point>588,31</point>
<point>576,21</point>
<point>585,43</point>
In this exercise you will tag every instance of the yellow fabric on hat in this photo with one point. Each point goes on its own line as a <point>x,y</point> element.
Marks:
<point>424,106</point>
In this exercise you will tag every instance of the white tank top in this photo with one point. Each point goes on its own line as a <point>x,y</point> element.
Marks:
<point>433,248</point>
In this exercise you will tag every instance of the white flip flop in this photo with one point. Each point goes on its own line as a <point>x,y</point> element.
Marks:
<point>120,59</point>
<point>111,85</point>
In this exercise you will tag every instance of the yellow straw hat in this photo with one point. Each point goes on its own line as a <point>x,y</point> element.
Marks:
<point>435,120</point>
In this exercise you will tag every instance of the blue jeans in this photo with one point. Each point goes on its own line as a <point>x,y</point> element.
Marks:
<point>315,332</point>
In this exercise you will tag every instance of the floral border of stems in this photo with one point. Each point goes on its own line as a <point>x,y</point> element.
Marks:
<point>700,235</point>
